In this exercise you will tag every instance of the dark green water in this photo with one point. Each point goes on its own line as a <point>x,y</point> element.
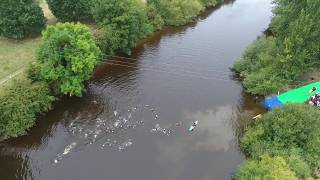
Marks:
<point>133,122</point>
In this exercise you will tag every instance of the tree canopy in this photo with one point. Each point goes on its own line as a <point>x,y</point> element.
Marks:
<point>67,56</point>
<point>266,167</point>
<point>19,19</point>
<point>126,18</point>
<point>71,10</point>
<point>19,105</point>
<point>291,130</point>
<point>293,49</point>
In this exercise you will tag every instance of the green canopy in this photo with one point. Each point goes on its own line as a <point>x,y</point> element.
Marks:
<point>299,95</point>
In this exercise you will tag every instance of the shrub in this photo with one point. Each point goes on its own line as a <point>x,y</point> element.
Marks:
<point>293,129</point>
<point>263,82</point>
<point>67,56</point>
<point>177,12</point>
<point>209,3</point>
<point>108,40</point>
<point>71,10</point>
<point>19,105</point>
<point>293,50</point>
<point>268,168</point>
<point>19,19</point>
<point>127,17</point>
<point>154,17</point>
<point>299,166</point>
<point>259,67</point>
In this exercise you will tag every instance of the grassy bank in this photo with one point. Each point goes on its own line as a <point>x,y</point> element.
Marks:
<point>119,27</point>
<point>16,54</point>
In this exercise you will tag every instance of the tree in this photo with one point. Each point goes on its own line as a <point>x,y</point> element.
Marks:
<point>268,168</point>
<point>293,129</point>
<point>19,105</point>
<point>209,3</point>
<point>292,51</point>
<point>71,10</point>
<point>126,18</point>
<point>178,12</point>
<point>20,18</point>
<point>67,56</point>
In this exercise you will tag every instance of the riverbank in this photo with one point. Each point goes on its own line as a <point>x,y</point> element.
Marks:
<point>284,59</point>
<point>27,49</point>
<point>182,74</point>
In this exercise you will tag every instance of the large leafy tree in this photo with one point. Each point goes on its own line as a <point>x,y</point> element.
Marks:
<point>20,18</point>
<point>19,105</point>
<point>67,57</point>
<point>293,129</point>
<point>71,10</point>
<point>126,18</point>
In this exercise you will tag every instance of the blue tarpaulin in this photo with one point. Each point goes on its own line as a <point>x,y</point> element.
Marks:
<point>272,103</point>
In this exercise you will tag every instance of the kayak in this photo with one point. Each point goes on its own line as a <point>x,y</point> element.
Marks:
<point>193,126</point>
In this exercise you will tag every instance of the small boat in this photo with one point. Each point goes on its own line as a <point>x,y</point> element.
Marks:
<point>299,95</point>
<point>194,125</point>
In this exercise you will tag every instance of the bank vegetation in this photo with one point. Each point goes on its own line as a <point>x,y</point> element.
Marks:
<point>285,143</point>
<point>69,51</point>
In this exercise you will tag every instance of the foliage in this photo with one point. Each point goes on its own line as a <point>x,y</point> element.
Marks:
<point>67,57</point>
<point>177,12</point>
<point>293,50</point>
<point>266,167</point>
<point>209,3</point>
<point>296,26</point>
<point>108,40</point>
<point>293,129</point>
<point>154,17</point>
<point>264,82</point>
<point>71,10</point>
<point>128,18</point>
<point>19,19</point>
<point>258,67</point>
<point>19,105</point>
<point>299,166</point>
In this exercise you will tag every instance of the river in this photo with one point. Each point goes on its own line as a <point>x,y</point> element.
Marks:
<point>133,121</point>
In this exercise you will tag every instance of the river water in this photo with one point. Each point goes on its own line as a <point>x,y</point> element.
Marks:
<point>133,122</point>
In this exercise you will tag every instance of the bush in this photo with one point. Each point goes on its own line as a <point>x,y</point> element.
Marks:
<point>127,18</point>
<point>71,10</point>
<point>259,67</point>
<point>299,166</point>
<point>209,3</point>
<point>293,50</point>
<point>267,168</point>
<point>293,129</point>
<point>108,40</point>
<point>263,82</point>
<point>177,12</point>
<point>19,19</point>
<point>154,17</point>
<point>67,56</point>
<point>19,105</point>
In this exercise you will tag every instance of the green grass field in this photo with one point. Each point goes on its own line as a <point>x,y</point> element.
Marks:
<point>17,54</point>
